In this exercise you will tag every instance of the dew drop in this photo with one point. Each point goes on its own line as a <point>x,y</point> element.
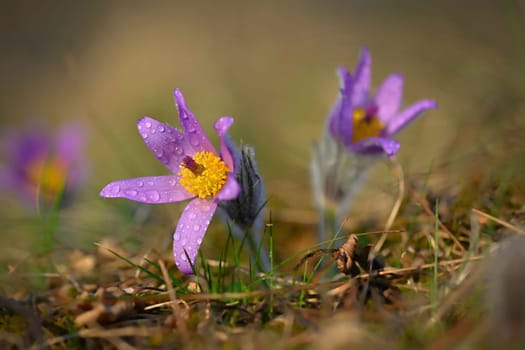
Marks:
<point>131,193</point>
<point>194,140</point>
<point>184,257</point>
<point>144,135</point>
<point>179,150</point>
<point>153,196</point>
<point>158,152</point>
<point>191,129</point>
<point>192,216</point>
<point>171,182</point>
<point>148,124</point>
<point>176,236</point>
<point>196,227</point>
<point>199,241</point>
<point>161,128</point>
<point>140,183</point>
<point>150,183</point>
<point>115,189</point>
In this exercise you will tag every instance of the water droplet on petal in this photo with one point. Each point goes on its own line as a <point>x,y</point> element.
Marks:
<point>144,135</point>
<point>192,216</point>
<point>115,189</point>
<point>196,227</point>
<point>184,257</point>
<point>171,182</point>
<point>176,236</point>
<point>131,193</point>
<point>148,124</point>
<point>199,241</point>
<point>158,152</point>
<point>161,128</point>
<point>150,183</point>
<point>194,140</point>
<point>179,150</point>
<point>153,196</point>
<point>140,183</point>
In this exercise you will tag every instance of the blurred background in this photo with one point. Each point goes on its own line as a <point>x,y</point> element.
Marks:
<point>271,65</point>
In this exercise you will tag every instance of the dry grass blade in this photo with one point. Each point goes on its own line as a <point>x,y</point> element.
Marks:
<point>406,270</point>
<point>103,333</point>
<point>499,221</point>
<point>178,312</point>
<point>397,171</point>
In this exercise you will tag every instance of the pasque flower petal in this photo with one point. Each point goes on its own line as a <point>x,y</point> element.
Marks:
<point>230,190</point>
<point>340,119</point>
<point>70,142</point>
<point>376,145</point>
<point>149,189</point>
<point>406,116</point>
<point>361,80</point>
<point>196,136</point>
<point>190,231</point>
<point>388,97</point>
<point>221,127</point>
<point>166,143</point>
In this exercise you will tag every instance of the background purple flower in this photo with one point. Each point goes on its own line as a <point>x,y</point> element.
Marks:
<point>198,173</point>
<point>41,166</point>
<point>365,123</point>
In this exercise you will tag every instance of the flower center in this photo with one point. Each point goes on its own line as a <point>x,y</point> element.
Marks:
<point>203,175</point>
<point>366,124</point>
<point>47,177</point>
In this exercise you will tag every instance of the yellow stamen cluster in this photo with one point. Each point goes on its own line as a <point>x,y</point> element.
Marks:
<point>365,126</point>
<point>47,177</point>
<point>208,179</point>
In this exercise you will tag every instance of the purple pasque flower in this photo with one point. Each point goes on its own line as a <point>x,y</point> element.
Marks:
<point>364,123</point>
<point>198,173</point>
<point>42,166</point>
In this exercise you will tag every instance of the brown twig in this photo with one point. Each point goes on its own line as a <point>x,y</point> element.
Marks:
<point>499,221</point>
<point>175,305</point>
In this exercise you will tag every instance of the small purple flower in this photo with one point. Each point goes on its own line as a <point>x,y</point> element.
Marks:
<point>41,166</point>
<point>365,124</point>
<point>199,174</point>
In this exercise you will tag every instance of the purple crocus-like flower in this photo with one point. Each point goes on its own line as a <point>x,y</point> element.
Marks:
<point>365,124</point>
<point>41,166</point>
<point>199,174</point>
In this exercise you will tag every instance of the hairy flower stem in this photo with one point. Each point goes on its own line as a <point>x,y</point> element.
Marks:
<point>337,177</point>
